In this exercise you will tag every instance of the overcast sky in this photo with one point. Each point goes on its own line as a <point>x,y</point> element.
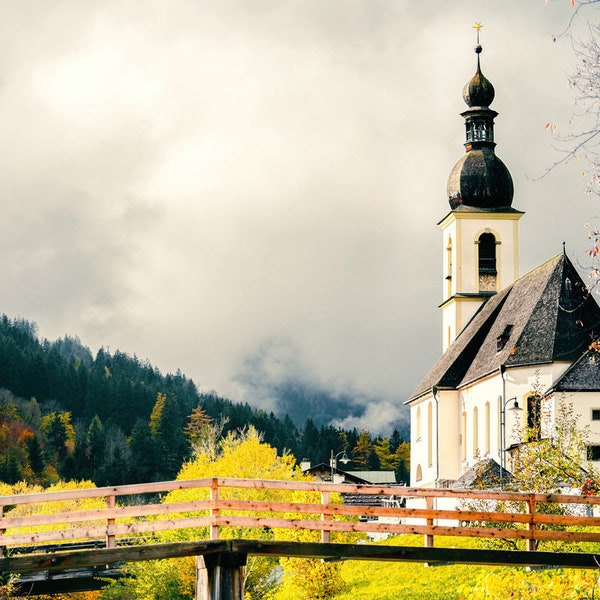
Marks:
<point>217,184</point>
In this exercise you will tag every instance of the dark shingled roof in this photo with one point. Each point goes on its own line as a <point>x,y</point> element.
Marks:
<point>486,474</point>
<point>582,376</point>
<point>547,315</point>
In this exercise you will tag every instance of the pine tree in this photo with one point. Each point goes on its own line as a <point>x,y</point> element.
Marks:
<point>388,460</point>
<point>362,454</point>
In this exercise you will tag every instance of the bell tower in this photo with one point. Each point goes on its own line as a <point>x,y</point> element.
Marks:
<point>480,233</point>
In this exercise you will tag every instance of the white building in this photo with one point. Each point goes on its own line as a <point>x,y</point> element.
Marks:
<point>505,338</point>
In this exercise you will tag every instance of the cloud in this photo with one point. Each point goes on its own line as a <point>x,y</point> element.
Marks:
<point>276,377</point>
<point>191,181</point>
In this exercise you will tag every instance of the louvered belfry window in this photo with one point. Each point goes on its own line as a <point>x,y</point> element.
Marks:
<point>487,254</point>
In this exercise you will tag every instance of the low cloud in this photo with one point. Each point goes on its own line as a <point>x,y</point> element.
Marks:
<point>276,378</point>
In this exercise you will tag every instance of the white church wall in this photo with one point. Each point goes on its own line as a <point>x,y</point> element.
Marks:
<point>451,434</point>
<point>455,316</point>
<point>434,439</point>
<point>461,232</point>
<point>480,421</point>
<point>422,470</point>
<point>470,226</point>
<point>586,406</point>
<point>460,270</point>
<point>449,422</point>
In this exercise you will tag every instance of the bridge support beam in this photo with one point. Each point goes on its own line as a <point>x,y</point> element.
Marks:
<point>219,576</point>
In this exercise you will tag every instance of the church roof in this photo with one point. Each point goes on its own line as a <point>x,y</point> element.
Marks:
<point>486,474</point>
<point>582,376</point>
<point>547,315</point>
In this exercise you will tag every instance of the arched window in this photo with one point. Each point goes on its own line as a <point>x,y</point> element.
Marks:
<point>499,421</point>
<point>463,439</point>
<point>419,473</point>
<point>429,434</point>
<point>487,428</point>
<point>487,262</point>
<point>418,423</point>
<point>475,431</point>
<point>534,418</point>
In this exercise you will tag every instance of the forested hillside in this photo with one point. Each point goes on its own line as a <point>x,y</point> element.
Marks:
<point>65,414</point>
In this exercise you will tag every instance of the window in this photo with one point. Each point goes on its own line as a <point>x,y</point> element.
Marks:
<point>429,434</point>
<point>503,338</point>
<point>418,423</point>
<point>463,439</point>
<point>419,473</point>
<point>534,418</point>
<point>475,431</point>
<point>595,414</point>
<point>593,452</point>
<point>499,421</point>
<point>487,254</point>
<point>479,130</point>
<point>487,428</point>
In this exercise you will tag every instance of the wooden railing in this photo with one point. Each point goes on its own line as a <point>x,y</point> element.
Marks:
<point>210,505</point>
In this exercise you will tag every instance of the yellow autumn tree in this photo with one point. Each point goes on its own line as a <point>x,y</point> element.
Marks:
<point>240,455</point>
<point>47,508</point>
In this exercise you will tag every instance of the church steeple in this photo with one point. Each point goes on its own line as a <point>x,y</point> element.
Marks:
<point>480,179</point>
<point>481,239</point>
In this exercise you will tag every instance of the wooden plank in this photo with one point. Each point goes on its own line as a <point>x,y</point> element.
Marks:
<point>289,507</point>
<point>166,486</point>
<point>223,520</point>
<point>107,556</point>
<point>102,492</point>
<point>85,558</point>
<point>102,514</point>
<point>417,554</point>
<point>353,510</point>
<point>100,531</point>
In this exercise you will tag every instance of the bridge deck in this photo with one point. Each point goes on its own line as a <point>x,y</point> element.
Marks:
<point>329,551</point>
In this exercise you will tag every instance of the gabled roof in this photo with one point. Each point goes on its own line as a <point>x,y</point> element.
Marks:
<point>381,477</point>
<point>323,468</point>
<point>582,376</point>
<point>547,315</point>
<point>486,474</point>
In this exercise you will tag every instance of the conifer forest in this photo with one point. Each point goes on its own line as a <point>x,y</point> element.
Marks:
<point>115,419</point>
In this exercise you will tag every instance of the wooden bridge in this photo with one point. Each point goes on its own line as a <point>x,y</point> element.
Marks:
<point>229,519</point>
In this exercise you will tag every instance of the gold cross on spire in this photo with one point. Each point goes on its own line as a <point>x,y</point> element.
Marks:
<point>477,27</point>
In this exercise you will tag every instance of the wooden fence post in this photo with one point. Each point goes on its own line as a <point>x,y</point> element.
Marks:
<point>325,533</point>
<point>531,543</point>
<point>214,512</point>
<point>429,536</point>
<point>110,538</point>
<point>219,576</point>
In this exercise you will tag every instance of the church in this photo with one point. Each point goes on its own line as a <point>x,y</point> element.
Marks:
<point>510,342</point>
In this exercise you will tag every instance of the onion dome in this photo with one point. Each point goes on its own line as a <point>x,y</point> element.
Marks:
<point>478,91</point>
<point>480,179</point>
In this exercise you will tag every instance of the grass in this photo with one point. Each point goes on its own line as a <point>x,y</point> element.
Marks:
<point>412,581</point>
